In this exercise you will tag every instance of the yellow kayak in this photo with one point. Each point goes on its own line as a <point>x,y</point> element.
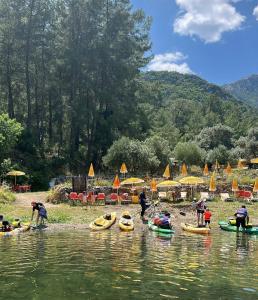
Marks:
<point>103,222</point>
<point>126,222</point>
<point>24,227</point>
<point>194,229</point>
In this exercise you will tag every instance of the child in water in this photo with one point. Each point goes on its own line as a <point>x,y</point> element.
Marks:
<point>207,217</point>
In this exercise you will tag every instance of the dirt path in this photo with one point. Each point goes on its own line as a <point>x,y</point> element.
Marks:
<point>25,199</point>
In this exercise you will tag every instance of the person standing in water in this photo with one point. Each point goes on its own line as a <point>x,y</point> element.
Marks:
<point>242,217</point>
<point>143,203</point>
<point>200,208</point>
<point>42,212</point>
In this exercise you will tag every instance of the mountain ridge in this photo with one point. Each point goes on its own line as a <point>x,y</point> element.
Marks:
<point>245,89</point>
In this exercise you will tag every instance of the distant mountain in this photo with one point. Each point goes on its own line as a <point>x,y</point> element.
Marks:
<point>245,90</point>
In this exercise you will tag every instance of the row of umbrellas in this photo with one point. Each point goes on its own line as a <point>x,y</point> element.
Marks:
<point>190,180</point>
<point>184,172</point>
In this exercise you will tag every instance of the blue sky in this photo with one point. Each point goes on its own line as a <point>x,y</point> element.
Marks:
<point>215,39</point>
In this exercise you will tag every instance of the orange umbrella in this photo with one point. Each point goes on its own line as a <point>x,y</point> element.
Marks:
<point>116,183</point>
<point>123,169</point>
<point>91,171</point>
<point>167,172</point>
<point>234,185</point>
<point>212,187</point>
<point>206,170</point>
<point>255,189</point>
<point>153,185</point>
<point>228,169</point>
<point>184,170</point>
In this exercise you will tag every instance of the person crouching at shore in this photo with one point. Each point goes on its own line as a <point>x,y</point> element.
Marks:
<point>42,212</point>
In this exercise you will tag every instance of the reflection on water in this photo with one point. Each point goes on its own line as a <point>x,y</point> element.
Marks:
<point>117,265</point>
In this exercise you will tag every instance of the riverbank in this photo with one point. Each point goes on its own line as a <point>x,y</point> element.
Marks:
<point>66,217</point>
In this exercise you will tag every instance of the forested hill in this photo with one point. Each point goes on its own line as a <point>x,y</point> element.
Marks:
<point>186,85</point>
<point>179,106</point>
<point>245,90</point>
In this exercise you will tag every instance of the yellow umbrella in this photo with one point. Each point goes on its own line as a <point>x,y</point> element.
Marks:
<point>234,185</point>
<point>228,169</point>
<point>212,187</point>
<point>131,181</point>
<point>217,166</point>
<point>116,183</point>
<point>184,170</point>
<point>255,189</point>
<point>254,160</point>
<point>168,183</point>
<point>153,185</point>
<point>15,173</point>
<point>123,169</point>
<point>167,172</point>
<point>191,180</point>
<point>206,170</point>
<point>91,171</point>
<point>240,164</point>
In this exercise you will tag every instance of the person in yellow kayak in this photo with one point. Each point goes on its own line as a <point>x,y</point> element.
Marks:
<point>42,212</point>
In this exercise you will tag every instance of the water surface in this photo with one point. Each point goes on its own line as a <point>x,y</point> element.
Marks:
<point>117,265</point>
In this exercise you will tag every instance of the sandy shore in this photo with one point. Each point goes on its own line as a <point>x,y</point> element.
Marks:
<point>66,217</point>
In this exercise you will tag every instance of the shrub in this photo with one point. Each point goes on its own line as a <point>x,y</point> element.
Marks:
<point>58,194</point>
<point>6,196</point>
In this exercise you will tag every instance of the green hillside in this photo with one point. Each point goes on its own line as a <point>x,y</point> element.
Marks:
<point>185,104</point>
<point>245,90</point>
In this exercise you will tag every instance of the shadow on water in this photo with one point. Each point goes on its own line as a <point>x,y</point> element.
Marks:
<point>118,265</point>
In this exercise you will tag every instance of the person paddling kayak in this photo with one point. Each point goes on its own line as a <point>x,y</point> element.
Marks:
<point>242,217</point>
<point>42,212</point>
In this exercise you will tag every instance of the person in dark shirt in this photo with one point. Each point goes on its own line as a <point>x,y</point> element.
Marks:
<point>143,203</point>
<point>42,212</point>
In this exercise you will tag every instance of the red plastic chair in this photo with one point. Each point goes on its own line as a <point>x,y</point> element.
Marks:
<point>100,199</point>
<point>80,197</point>
<point>73,196</point>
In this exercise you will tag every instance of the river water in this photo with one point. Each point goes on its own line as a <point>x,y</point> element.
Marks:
<point>118,265</point>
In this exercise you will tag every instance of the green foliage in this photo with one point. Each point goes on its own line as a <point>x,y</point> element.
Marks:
<point>220,153</point>
<point>160,147</point>
<point>212,137</point>
<point>136,155</point>
<point>10,130</point>
<point>189,152</point>
<point>6,196</point>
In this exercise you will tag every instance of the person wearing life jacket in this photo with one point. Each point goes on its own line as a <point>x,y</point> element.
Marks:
<point>207,217</point>
<point>242,217</point>
<point>200,208</point>
<point>165,221</point>
<point>42,212</point>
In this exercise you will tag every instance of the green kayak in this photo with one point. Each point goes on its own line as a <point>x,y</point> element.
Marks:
<point>226,226</point>
<point>158,229</point>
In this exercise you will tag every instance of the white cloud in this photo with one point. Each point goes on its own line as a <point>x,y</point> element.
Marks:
<point>207,19</point>
<point>173,61</point>
<point>255,12</point>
